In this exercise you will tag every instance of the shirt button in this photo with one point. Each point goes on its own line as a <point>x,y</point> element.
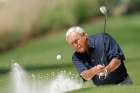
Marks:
<point>93,60</point>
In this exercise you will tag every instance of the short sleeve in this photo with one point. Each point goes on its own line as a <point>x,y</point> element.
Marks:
<point>113,49</point>
<point>77,61</point>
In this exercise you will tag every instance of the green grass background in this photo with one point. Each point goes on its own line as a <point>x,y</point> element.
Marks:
<point>39,55</point>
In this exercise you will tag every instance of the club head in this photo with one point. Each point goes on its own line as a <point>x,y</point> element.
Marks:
<point>103,10</point>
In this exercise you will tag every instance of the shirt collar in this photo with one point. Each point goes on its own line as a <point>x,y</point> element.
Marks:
<point>91,42</point>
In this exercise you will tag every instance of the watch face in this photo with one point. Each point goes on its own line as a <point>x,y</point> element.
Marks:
<point>102,76</point>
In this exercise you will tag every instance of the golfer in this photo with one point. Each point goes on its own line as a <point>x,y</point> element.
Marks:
<point>98,57</point>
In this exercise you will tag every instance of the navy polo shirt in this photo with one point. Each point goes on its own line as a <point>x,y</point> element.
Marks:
<point>96,55</point>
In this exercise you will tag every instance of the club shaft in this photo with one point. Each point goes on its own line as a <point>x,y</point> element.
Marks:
<point>105,23</point>
<point>104,43</point>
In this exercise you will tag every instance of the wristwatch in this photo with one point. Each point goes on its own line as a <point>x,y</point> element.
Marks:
<point>103,75</point>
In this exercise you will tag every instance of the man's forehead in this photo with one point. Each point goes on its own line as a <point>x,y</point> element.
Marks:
<point>74,34</point>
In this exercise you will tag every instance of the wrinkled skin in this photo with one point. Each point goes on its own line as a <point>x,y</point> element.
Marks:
<point>79,42</point>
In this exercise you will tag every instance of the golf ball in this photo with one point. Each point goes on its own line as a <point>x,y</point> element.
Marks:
<point>58,57</point>
<point>103,9</point>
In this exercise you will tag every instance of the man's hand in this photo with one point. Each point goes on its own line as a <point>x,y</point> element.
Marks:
<point>100,68</point>
<point>88,74</point>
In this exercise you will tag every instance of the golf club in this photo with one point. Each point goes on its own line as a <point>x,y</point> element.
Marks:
<point>103,75</point>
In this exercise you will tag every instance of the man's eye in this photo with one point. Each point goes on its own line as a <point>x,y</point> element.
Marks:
<point>75,41</point>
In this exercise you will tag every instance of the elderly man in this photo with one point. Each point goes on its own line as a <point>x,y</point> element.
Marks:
<point>98,58</point>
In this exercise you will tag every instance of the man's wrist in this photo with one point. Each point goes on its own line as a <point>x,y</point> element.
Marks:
<point>103,75</point>
<point>106,71</point>
<point>94,70</point>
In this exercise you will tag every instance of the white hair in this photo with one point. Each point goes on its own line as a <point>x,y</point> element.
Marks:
<point>74,29</point>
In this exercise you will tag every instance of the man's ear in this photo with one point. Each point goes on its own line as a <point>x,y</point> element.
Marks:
<point>85,35</point>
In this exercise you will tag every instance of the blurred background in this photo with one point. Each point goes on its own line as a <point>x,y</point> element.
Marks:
<point>32,33</point>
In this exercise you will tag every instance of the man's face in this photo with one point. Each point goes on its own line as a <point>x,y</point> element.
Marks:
<point>78,41</point>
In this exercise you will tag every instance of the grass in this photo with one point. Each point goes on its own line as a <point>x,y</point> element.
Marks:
<point>110,89</point>
<point>39,55</point>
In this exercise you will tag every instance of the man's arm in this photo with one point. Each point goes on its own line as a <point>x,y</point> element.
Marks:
<point>113,65</point>
<point>114,54</point>
<point>88,74</point>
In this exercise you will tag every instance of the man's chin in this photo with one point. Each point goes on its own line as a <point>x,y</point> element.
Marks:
<point>81,51</point>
